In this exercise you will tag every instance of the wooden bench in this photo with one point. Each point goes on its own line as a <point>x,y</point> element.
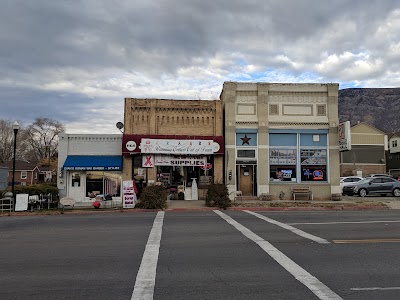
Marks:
<point>302,190</point>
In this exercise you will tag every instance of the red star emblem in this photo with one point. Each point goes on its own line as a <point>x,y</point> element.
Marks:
<point>245,140</point>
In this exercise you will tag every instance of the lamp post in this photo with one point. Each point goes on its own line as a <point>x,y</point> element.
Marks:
<point>15,127</point>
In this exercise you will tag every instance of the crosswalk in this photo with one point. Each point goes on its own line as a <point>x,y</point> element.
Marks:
<point>145,280</point>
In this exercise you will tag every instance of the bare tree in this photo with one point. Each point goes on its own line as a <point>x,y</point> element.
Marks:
<point>6,141</point>
<point>42,138</point>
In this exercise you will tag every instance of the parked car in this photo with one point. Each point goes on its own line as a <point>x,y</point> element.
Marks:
<point>374,185</point>
<point>379,175</point>
<point>349,180</point>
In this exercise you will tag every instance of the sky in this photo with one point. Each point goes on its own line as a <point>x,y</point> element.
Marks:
<point>75,61</point>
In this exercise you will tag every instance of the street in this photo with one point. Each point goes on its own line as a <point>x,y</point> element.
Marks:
<point>202,255</point>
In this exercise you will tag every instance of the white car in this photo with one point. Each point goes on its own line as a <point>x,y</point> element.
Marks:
<point>348,181</point>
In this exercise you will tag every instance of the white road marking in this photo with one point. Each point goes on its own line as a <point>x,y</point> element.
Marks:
<point>376,289</point>
<point>291,228</point>
<point>146,277</point>
<point>354,222</point>
<point>311,282</point>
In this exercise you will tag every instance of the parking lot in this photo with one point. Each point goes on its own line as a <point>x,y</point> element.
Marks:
<point>202,255</point>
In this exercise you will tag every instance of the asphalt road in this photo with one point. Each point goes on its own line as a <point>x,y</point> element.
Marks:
<point>202,255</point>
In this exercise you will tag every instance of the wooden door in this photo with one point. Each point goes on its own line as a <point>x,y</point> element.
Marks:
<point>246,179</point>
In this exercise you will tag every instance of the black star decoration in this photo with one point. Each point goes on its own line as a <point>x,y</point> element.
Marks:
<point>245,140</point>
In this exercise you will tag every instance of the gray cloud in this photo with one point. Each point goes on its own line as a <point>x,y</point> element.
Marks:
<point>94,53</point>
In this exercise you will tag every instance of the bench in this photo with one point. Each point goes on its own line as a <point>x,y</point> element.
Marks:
<point>301,190</point>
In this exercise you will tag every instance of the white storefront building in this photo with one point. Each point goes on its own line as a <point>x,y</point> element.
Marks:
<point>90,166</point>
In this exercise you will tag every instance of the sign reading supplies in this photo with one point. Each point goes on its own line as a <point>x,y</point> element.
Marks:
<point>344,136</point>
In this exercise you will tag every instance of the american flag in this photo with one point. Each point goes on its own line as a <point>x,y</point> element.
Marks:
<point>110,187</point>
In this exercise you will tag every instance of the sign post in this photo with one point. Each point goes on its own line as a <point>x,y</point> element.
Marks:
<point>344,136</point>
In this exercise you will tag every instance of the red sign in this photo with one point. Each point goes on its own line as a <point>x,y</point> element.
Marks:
<point>206,167</point>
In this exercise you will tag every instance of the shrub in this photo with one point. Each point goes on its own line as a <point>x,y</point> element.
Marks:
<point>153,197</point>
<point>217,195</point>
<point>36,189</point>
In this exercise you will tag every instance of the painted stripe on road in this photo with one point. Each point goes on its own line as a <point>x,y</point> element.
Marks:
<point>366,241</point>
<point>311,282</point>
<point>146,277</point>
<point>355,222</point>
<point>376,289</point>
<point>290,228</point>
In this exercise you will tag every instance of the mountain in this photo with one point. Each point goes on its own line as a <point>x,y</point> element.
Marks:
<point>379,107</point>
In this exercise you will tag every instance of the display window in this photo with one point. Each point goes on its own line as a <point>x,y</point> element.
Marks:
<point>298,157</point>
<point>103,183</point>
<point>173,176</point>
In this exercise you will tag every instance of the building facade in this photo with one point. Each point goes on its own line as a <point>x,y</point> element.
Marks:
<point>367,154</point>
<point>89,166</point>
<point>3,178</point>
<point>280,135</point>
<point>26,173</point>
<point>176,143</point>
<point>393,155</point>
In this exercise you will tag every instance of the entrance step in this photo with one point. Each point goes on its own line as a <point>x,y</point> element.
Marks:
<point>247,198</point>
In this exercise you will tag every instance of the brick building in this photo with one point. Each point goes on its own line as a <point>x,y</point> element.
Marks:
<point>170,142</point>
<point>26,173</point>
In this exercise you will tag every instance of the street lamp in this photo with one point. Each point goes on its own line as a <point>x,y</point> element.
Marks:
<point>15,127</point>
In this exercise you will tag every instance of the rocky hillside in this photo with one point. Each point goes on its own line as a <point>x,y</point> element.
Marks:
<point>377,107</point>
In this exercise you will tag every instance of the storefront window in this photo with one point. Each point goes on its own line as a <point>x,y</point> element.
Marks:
<point>172,176</point>
<point>103,183</point>
<point>298,157</point>
<point>282,164</point>
<point>313,164</point>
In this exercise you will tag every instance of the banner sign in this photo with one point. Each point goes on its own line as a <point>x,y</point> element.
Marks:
<point>148,161</point>
<point>168,160</point>
<point>162,146</point>
<point>131,143</point>
<point>129,191</point>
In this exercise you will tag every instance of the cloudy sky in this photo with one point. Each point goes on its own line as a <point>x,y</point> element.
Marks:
<point>75,61</point>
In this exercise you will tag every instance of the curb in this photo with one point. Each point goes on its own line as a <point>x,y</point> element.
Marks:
<point>303,208</point>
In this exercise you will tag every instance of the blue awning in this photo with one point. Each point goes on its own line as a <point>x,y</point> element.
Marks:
<point>93,163</point>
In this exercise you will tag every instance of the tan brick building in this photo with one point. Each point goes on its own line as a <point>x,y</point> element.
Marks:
<point>170,142</point>
<point>367,154</point>
<point>281,135</point>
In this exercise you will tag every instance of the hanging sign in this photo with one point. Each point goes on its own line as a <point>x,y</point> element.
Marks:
<point>148,161</point>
